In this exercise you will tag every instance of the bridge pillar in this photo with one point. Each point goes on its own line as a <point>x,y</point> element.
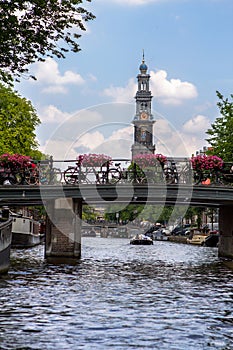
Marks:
<point>63,231</point>
<point>226,231</point>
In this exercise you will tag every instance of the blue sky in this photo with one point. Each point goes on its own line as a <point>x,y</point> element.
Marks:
<point>86,102</point>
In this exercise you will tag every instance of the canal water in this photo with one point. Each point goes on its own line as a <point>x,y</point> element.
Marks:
<point>165,296</point>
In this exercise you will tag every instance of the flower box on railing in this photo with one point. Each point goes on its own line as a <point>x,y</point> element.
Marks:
<point>93,160</point>
<point>203,162</point>
<point>14,161</point>
<point>149,160</point>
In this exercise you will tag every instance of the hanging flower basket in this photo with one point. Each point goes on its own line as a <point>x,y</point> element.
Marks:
<point>149,160</point>
<point>203,162</point>
<point>93,160</point>
<point>14,160</point>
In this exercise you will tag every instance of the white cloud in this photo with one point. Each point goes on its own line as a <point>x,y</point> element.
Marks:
<point>59,150</point>
<point>90,140</point>
<point>170,92</point>
<point>123,133</point>
<point>87,131</point>
<point>168,140</point>
<point>51,114</point>
<point>173,91</point>
<point>198,124</point>
<point>183,142</point>
<point>48,74</point>
<point>92,77</point>
<point>122,94</point>
<point>118,144</point>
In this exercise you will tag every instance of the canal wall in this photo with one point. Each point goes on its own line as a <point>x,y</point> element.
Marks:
<point>177,239</point>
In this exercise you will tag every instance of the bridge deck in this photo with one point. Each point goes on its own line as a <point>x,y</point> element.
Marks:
<point>212,196</point>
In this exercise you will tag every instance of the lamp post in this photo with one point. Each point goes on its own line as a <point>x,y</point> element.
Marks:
<point>117,218</point>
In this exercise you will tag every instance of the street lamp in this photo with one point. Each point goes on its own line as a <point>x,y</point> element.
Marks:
<point>117,218</point>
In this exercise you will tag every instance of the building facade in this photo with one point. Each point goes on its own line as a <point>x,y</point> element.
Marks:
<point>143,120</point>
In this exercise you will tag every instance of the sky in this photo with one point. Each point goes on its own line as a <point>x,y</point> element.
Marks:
<point>86,101</point>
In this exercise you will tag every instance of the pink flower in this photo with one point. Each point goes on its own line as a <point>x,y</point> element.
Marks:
<point>14,160</point>
<point>149,160</point>
<point>204,162</point>
<point>93,160</point>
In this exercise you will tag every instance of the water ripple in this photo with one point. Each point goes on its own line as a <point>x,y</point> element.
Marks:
<point>164,296</point>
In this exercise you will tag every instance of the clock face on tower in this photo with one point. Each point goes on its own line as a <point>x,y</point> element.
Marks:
<point>144,116</point>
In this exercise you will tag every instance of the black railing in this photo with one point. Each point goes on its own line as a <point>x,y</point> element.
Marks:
<point>173,171</point>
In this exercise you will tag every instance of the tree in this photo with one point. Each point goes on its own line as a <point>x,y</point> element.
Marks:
<point>88,214</point>
<point>18,120</point>
<point>220,134</point>
<point>31,30</point>
<point>128,213</point>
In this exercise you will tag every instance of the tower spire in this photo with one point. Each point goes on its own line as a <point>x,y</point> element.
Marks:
<point>143,120</point>
<point>143,66</point>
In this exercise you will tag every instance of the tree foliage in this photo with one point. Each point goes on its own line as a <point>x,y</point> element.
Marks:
<point>31,30</point>
<point>128,213</point>
<point>89,214</point>
<point>18,120</point>
<point>220,134</point>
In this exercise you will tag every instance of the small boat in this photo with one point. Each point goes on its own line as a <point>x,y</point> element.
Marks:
<point>25,232</point>
<point>212,240</point>
<point>141,239</point>
<point>5,242</point>
<point>197,237</point>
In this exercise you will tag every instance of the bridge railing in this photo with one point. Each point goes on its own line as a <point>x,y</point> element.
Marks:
<point>71,172</point>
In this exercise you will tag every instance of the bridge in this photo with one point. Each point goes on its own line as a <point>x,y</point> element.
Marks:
<point>193,195</point>
<point>64,199</point>
<point>63,205</point>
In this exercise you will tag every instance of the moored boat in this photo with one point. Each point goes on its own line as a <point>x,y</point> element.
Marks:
<point>141,239</point>
<point>5,243</point>
<point>212,240</point>
<point>25,232</point>
<point>197,237</point>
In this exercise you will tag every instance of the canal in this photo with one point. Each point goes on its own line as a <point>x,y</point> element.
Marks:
<point>165,296</point>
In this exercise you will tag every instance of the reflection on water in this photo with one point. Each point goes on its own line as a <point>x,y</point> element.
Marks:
<point>119,296</point>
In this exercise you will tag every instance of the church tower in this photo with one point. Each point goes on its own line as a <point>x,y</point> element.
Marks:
<point>143,120</point>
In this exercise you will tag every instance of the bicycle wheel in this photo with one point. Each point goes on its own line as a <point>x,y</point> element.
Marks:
<point>114,176</point>
<point>169,176</point>
<point>55,176</point>
<point>17,178</point>
<point>198,177</point>
<point>31,177</point>
<point>71,176</point>
<point>44,176</point>
<point>101,177</point>
<point>10,180</point>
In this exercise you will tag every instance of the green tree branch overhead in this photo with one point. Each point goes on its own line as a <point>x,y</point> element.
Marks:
<point>32,30</point>
<point>220,133</point>
<point>18,121</point>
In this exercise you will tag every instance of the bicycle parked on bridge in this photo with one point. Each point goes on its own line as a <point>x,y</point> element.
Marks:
<point>166,173</point>
<point>16,175</point>
<point>107,174</point>
<point>112,174</point>
<point>48,175</point>
<point>75,175</point>
<point>8,176</point>
<point>219,177</point>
